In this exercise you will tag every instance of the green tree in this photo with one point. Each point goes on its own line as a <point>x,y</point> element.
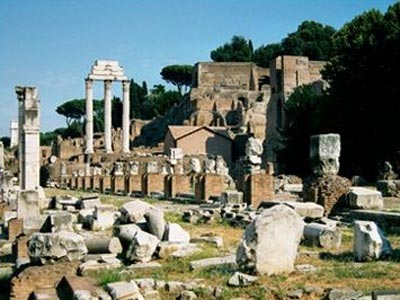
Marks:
<point>238,50</point>
<point>159,101</point>
<point>6,141</point>
<point>264,54</point>
<point>311,39</point>
<point>74,109</point>
<point>137,97</point>
<point>47,138</point>
<point>178,75</point>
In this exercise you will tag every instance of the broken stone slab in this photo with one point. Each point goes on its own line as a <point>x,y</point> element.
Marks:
<point>165,248</point>
<point>35,223</point>
<point>145,283</point>
<point>304,209</point>
<point>322,235</point>
<point>61,221</point>
<point>134,211</point>
<point>305,268</point>
<point>175,233</point>
<point>89,202</point>
<point>84,213</point>
<point>343,294</point>
<point>241,279</point>
<point>103,244</point>
<point>216,241</point>
<point>7,216</point>
<point>103,217</point>
<point>364,198</point>
<point>50,247</point>
<point>370,242</point>
<point>213,261</point>
<point>142,247</point>
<point>174,286</point>
<point>28,203</point>
<point>93,265</point>
<point>263,250</point>
<point>295,294</point>
<point>186,250</point>
<point>145,266</point>
<point>124,290</point>
<point>151,295</point>
<point>126,232</point>
<point>156,222</point>
<point>293,188</point>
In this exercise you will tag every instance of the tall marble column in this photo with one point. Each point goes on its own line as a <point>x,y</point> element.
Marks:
<point>107,116</point>
<point>89,116</point>
<point>125,116</point>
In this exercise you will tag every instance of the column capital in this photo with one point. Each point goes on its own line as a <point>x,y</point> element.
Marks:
<point>107,84</point>
<point>89,83</point>
<point>126,84</point>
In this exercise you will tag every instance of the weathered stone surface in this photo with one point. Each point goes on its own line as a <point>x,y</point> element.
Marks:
<point>145,266</point>
<point>156,222</point>
<point>341,294</point>
<point>61,221</point>
<point>329,237</point>
<point>217,241</point>
<point>213,261</point>
<point>369,242</point>
<point>262,248</point>
<point>103,217</point>
<point>254,150</point>
<point>126,232</point>
<point>89,202</point>
<point>241,279</point>
<point>134,211</point>
<point>28,203</point>
<point>324,154</point>
<point>49,247</point>
<point>124,290</point>
<point>142,247</point>
<point>364,198</point>
<point>186,250</point>
<point>103,244</point>
<point>175,233</point>
<point>151,295</point>
<point>304,209</point>
<point>328,191</point>
<point>93,265</point>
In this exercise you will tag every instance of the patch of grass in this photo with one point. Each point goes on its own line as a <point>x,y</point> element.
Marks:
<point>108,276</point>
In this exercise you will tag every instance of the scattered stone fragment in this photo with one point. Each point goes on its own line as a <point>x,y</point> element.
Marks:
<point>151,295</point>
<point>305,268</point>
<point>134,211</point>
<point>369,242</point>
<point>339,294</point>
<point>147,266</point>
<point>175,233</point>
<point>126,233</point>
<point>217,241</point>
<point>213,261</point>
<point>145,283</point>
<point>186,250</point>
<point>124,290</point>
<point>321,235</point>
<point>241,279</point>
<point>142,247</point>
<point>174,286</point>
<point>263,250</point>
<point>89,202</point>
<point>187,295</point>
<point>295,294</point>
<point>156,222</point>
<point>103,244</point>
<point>304,209</point>
<point>49,247</point>
<point>364,198</point>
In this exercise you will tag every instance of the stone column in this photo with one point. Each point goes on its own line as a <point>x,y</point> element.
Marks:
<point>89,116</point>
<point>29,146</point>
<point>107,115</point>
<point>1,155</point>
<point>125,116</point>
<point>13,133</point>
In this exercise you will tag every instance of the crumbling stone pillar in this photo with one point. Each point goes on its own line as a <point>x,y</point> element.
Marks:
<point>325,187</point>
<point>107,116</point>
<point>29,130</point>
<point>13,133</point>
<point>153,183</point>
<point>209,185</point>
<point>133,183</point>
<point>257,187</point>
<point>178,183</point>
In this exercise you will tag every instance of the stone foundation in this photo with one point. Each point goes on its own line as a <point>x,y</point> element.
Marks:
<point>133,183</point>
<point>118,184</point>
<point>105,183</point>
<point>175,184</point>
<point>95,183</point>
<point>328,191</point>
<point>209,185</point>
<point>153,183</point>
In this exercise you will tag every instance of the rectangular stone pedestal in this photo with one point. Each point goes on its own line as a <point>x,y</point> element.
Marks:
<point>178,184</point>
<point>133,183</point>
<point>105,184</point>
<point>73,183</point>
<point>257,188</point>
<point>208,185</point>
<point>153,183</point>
<point>15,228</point>
<point>118,184</point>
<point>79,183</point>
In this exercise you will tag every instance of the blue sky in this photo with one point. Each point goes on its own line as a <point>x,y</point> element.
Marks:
<point>53,43</point>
